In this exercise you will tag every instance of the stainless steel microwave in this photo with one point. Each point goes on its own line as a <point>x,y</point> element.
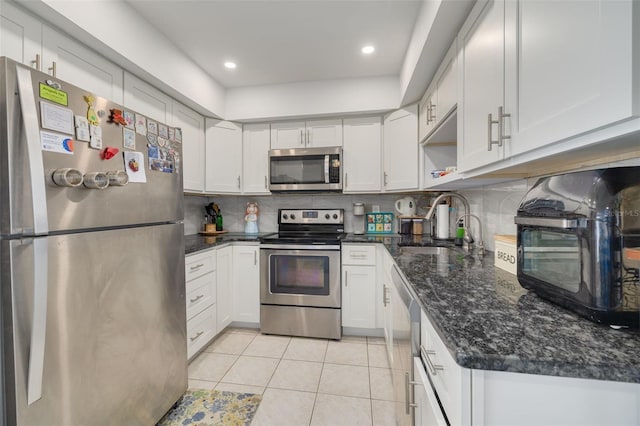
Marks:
<point>577,238</point>
<point>305,169</point>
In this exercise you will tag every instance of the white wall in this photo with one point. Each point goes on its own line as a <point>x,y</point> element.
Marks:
<point>117,31</point>
<point>315,98</point>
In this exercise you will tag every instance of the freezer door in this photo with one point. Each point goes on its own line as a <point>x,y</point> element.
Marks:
<point>37,203</point>
<point>108,345</point>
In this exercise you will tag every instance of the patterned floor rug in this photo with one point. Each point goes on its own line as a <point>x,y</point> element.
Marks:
<point>210,407</point>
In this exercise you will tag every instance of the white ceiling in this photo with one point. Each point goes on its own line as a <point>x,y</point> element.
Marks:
<point>274,41</point>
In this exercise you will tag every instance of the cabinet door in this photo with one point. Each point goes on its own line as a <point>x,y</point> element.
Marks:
<point>246,284</point>
<point>324,133</point>
<point>224,287</point>
<point>447,84</point>
<point>426,123</point>
<point>359,296</point>
<point>80,66</point>
<point>361,155</point>
<point>20,35</point>
<point>146,99</point>
<point>223,157</point>
<point>400,144</point>
<point>255,158</point>
<point>482,77</point>
<point>287,135</point>
<point>427,411</point>
<point>192,126</point>
<point>573,77</point>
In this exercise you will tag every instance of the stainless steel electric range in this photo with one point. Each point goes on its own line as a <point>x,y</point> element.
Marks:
<point>300,274</point>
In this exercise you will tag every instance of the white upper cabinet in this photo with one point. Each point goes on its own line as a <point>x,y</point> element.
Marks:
<point>20,36</point>
<point>223,172</point>
<point>441,97</point>
<point>192,126</point>
<point>80,66</point>
<point>255,158</point>
<point>535,73</point>
<point>310,134</point>
<point>146,99</point>
<point>361,154</point>
<point>569,69</point>
<point>400,149</point>
<point>481,69</point>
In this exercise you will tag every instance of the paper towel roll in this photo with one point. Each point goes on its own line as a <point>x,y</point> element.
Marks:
<point>443,221</point>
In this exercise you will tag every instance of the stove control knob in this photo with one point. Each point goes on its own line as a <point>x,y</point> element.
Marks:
<point>293,216</point>
<point>327,216</point>
<point>335,216</point>
<point>285,216</point>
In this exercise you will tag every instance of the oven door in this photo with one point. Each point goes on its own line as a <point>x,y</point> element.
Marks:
<point>300,276</point>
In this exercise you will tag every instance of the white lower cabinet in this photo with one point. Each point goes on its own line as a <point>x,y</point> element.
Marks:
<point>224,293</point>
<point>246,284</point>
<point>200,290</point>
<point>427,411</point>
<point>359,286</point>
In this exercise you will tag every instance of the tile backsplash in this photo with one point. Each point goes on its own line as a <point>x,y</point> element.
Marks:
<point>495,205</point>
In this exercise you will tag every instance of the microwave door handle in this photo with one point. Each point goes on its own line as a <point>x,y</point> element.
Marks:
<point>326,169</point>
<point>548,222</point>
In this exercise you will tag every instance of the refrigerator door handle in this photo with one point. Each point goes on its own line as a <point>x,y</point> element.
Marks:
<point>39,320</point>
<point>36,166</point>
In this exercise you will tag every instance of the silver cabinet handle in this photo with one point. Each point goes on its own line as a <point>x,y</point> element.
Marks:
<point>266,185</point>
<point>432,113</point>
<point>491,142</point>
<point>255,257</point>
<point>301,137</point>
<point>358,256</point>
<point>36,62</point>
<point>36,167</point>
<point>196,267</point>
<point>407,390</point>
<point>385,299</point>
<point>385,178</point>
<point>433,368</point>
<point>238,182</point>
<point>195,299</point>
<point>309,136</point>
<point>198,334</point>
<point>53,69</point>
<point>346,175</point>
<point>428,114</point>
<point>501,117</point>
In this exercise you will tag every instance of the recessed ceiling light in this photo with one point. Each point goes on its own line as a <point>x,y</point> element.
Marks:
<point>367,50</point>
<point>230,65</point>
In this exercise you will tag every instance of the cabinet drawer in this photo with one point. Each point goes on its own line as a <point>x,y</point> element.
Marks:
<point>358,255</point>
<point>201,293</point>
<point>444,372</point>
<point>200,330</point>
<point>199,264</point>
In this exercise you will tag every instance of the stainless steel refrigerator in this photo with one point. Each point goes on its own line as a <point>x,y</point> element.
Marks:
<point>92,295</point>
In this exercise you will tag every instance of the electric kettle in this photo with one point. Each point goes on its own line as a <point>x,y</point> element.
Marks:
<point>406,206</point>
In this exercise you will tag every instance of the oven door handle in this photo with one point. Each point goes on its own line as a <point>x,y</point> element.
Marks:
<point>324,247</point>
<point>548,222</point>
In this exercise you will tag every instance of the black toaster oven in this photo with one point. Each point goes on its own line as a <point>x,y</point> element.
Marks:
<point>577,235</point>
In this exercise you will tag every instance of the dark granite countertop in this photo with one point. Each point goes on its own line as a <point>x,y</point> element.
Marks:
<point>489,322</point>
<point>197,242</point>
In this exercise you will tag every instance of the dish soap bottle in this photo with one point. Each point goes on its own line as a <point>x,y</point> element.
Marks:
<point>219,221</point>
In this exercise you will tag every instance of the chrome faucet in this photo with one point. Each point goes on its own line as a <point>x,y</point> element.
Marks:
<point>468,238</point>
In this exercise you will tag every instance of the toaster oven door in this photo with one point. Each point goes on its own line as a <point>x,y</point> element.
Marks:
<point>551,256</point>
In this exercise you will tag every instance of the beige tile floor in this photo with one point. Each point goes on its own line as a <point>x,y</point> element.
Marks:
<point>310,382</point>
